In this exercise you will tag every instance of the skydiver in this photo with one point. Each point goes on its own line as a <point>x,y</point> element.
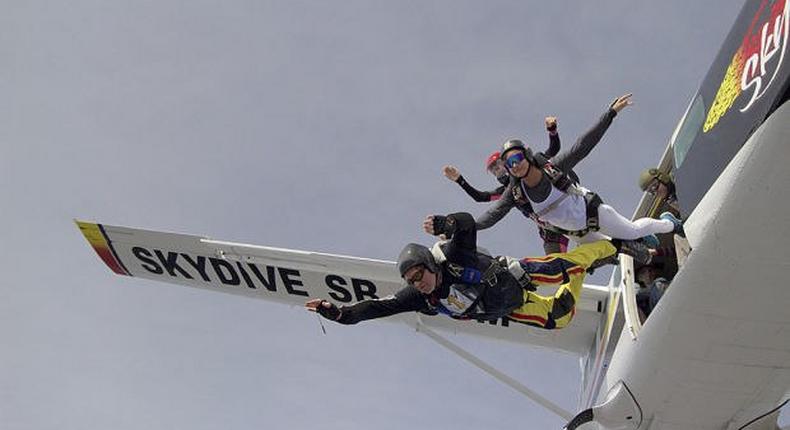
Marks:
<point>659,184</point>
<point>652,288</point>
<point>552,242</point>
<point>455,278</point>
<point>544,188</point>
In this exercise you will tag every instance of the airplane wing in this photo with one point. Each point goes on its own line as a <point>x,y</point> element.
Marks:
<point>293,277</point>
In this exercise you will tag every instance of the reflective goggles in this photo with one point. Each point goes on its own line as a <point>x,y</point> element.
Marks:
<point>513,160</point>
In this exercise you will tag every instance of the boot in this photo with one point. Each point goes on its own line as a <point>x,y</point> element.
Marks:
<point>678,223</point>
<point>651,241</point>
<point>636,249</point>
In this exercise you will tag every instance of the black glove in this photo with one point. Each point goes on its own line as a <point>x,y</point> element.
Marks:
<point>443,225</point>
<point>331,313</point>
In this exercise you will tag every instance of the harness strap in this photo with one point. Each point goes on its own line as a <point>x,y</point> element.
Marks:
<point>558,178</point>
<point>455,270</point>
<point>593,201</point>
<point>490,275</point>
<point>474,276</point>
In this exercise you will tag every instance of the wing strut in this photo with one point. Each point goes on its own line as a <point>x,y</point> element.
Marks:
<point>501,377</point>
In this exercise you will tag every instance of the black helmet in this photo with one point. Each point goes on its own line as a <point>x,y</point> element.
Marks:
<point>413,255</point>
<point>516,144</point>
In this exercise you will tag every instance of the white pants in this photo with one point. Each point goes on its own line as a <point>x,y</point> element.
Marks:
<point>617,226</point>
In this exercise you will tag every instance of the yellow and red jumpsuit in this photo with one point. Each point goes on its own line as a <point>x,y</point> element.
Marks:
<point>566,270</point>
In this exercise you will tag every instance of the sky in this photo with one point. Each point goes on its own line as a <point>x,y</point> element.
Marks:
<point>308,125</point>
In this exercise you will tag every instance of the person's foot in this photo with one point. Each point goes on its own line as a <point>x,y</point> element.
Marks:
<point>636,249</point>
<point>651,241</point>
<point>612,259</point>
<point>678,223</point>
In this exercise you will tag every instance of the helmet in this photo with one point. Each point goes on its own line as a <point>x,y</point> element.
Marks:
<point>516,144</point>
<point>647,176</point>
<point>513,144</point>
<point>492,159</point>
<point>413,255</point>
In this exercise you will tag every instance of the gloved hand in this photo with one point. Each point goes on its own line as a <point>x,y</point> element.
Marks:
<point>439,224</point>
<point>324,308</point>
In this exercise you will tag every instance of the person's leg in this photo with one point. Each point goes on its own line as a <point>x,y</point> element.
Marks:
<point>619,227</point>
<point>566,269</point>
<point>536,311</point>
<point>584,255</point>
<point>551,312</point>
<point>590,237</point>
<point>668,216</point>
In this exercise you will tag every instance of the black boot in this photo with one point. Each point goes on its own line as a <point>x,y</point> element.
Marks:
<point>638,250</point>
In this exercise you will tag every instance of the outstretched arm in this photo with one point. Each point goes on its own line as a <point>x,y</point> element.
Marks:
<point>497,211</point>
<point>461,229</point>
<point>406,300</point>
<point>554,137</point>
<point>586,142</point>
<point>452,173</point>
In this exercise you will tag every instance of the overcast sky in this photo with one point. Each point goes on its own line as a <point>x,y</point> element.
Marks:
<point>310,125</point>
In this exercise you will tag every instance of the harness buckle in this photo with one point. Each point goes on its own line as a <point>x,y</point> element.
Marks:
<point>455,270</point>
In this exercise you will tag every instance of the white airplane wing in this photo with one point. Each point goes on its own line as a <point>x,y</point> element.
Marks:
<point>293,277</point>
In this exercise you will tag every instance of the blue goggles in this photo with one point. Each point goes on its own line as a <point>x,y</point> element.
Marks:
<point>514,159</point>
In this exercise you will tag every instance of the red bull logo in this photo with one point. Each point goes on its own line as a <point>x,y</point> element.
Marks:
<point>756,62</point>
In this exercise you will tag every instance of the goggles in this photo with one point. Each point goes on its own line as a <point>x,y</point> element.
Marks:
<point>515,158</point>
<point>416,278</point>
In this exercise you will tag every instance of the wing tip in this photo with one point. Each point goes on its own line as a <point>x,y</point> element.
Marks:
<point>94,234</point>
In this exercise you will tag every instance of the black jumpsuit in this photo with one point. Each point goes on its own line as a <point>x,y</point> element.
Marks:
<point>496,300</point>
<point>504,296</point>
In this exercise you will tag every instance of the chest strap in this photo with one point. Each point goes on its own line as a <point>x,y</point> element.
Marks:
<point>469,275</point>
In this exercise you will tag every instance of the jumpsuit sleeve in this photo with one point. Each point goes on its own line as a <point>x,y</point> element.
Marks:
<point>405,300</point>
<point>497,211</point>
<point>474,193</point>
<point>568,160</point>
<point>462,248</point>
<point>554,145</point>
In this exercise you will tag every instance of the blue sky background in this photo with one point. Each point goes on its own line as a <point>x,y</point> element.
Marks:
<point>301,124</point>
